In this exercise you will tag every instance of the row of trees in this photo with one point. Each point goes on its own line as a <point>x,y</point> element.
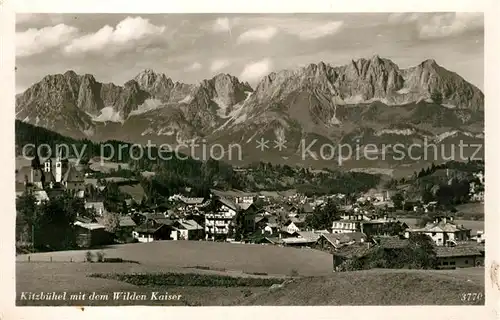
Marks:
<point>446,195</point>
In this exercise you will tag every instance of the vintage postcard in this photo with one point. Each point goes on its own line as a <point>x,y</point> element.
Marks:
<point>227,158</point>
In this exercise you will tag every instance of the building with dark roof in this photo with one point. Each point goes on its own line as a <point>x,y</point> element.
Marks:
<point>461,256</point>
<point>73,179</point>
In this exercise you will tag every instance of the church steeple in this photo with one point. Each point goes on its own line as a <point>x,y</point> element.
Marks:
<point>35,162</point>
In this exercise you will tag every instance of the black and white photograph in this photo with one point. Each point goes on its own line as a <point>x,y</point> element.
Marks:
<point>250,159</point>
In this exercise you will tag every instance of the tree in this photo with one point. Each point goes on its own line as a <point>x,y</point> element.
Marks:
<point>398,200</point>
<point>111,221</point>
<point>437,97</point>
<point>53,226</point>
<point>323,216</point>
<point>421,252</point>
<point>26,212</point>
<point>427,196</point>
<point>445,195</point>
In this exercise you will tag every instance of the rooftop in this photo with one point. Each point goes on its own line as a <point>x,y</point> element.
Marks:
<point>459,251</point>
<point>440,226</point>
<point>90,225</point>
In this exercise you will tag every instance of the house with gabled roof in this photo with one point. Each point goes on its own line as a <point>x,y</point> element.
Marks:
<point>155,227</point>
<point>187,230</point>
<point>461,256</point>
<point>333,241</point>
<point>73,179</point>
<point>442,231</point>
<point>150,233</point>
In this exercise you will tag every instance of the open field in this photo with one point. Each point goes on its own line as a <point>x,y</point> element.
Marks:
<point>315,284</point>
<point>372,287</point>
<point>377,287</point>
<point>236,257</point>
<point>73,278</point>
<point>475,209</point>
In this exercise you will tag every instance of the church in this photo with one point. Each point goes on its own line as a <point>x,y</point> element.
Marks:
<point>51,174</point>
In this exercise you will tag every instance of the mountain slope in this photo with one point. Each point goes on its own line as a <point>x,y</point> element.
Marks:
<point>366,101</point>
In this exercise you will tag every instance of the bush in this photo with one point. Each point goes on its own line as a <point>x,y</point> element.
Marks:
<point>112,260</point>
<point>294,273</point>
<point>89,256</point>
<point>100,256</point>
<point>258,273</point>
<point>188,279</point>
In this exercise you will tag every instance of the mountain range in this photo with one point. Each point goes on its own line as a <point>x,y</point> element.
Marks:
<point>366,101</point>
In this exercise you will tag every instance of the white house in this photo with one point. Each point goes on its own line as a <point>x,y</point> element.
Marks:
<point>345,226</point>
<point>292,228</point>
<point>217,223</point>
<point>244,199</point>
<point>480,236</point>
<point>186,230</point>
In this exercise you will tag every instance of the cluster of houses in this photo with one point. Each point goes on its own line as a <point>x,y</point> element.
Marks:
<point>280,223</point>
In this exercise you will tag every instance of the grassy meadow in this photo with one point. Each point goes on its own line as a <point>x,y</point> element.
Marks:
<point>202,274</point>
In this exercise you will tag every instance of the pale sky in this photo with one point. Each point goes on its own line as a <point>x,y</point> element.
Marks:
<point>192,47</point>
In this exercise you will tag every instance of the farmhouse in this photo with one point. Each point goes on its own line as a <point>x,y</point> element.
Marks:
<point>186,230</point>
<point>303,239</point>
<point>125,228</point>
<point>332,241</point>
<point>460,257</point>
<point>155,227</point>
<point>150,233</point>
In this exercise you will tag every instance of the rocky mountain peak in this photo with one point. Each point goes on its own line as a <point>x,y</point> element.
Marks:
<point>226,89</point>
<point>70,74</point>
<point>157,84</point>
<point>429,63</point>
<point>312,95</point>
